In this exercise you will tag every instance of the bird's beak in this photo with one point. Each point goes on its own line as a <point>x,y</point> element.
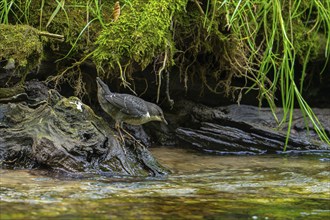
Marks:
<point>163,120</point>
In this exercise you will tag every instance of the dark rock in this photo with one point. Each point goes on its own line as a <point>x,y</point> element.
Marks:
<point>63,134</point>
<point>32,93</point>
<point>160,133</point>
<point>238,129</point>
<point>37,91</point>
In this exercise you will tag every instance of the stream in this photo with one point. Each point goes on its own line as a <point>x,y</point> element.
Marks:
<point>200,186</point>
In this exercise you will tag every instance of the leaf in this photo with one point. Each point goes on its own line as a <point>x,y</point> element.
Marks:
<point>55,12</point>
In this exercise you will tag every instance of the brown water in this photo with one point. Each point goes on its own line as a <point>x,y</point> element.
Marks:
<point>200,187</point>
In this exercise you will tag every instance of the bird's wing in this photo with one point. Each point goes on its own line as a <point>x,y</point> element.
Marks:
<point>128,104</point>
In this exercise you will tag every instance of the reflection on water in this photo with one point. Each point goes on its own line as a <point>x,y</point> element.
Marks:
<point>200,187</point>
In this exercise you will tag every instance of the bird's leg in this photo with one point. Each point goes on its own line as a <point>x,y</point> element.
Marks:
<point>133,138</point>
<point>118,127</point>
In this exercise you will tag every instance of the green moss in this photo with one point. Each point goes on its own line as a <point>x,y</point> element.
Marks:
<point>207,50</point>
<point>142,34</point>
<point>11,91</point>
<point>76,20</point>
<point>71,18</point>
<point>22,44</point>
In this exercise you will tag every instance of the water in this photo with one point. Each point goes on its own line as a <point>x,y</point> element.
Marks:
<point>200,187</point>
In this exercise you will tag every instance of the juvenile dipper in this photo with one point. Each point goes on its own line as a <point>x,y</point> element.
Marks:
<point>127,108</point>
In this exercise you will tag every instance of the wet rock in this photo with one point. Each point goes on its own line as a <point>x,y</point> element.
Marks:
<point>32,93</point>
<point>63,134</point>
<point>36,91</point>
<point>160,133</point>
<point>243,129</point>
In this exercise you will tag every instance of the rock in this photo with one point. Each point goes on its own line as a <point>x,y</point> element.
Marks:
<point>243,129</point>
<point>63,134</point>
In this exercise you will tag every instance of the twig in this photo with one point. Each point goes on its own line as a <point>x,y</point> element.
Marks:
<point>50,35</point>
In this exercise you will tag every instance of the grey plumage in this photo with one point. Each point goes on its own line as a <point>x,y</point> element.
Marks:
<point>127,108</point>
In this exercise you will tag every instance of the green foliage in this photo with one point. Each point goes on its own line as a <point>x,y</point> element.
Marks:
<point>75,19</point>
<point>142,34</point>
<point>79,21</point>
<point>5,7</point>
<point>276,35</point>
<point>205,51</point>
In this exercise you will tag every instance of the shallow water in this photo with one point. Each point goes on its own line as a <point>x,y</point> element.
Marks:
<point>200,187</point>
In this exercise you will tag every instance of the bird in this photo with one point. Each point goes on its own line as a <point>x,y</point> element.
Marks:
<point>127,108</point>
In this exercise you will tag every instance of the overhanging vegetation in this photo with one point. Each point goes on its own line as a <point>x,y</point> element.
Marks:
<point>260,41</point>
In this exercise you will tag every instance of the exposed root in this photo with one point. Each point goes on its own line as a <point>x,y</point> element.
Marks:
<point>123,77</point>
<point>159,74</point>
<point>73,76</point>
<point>167,91</point>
